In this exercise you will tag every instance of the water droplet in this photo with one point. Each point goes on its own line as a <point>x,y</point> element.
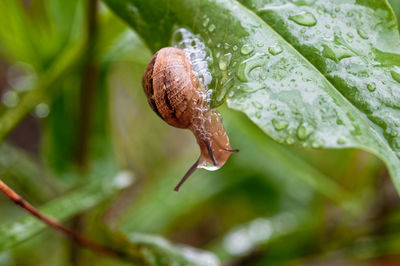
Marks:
<point>225,61</point>
<point>303,132</point>
<point>341,141</point>
<point>316,144</point>
<point>234,47</point>
<point>253,64</point>
<point>272,106</point>
<point>350,35</point>
<point>260,44</point>
<point>10,99</point>
<point>258,115</point>
<point>226,45</point>
<point>392,132</point>
<point>362,34</point>
<point>42,110</point>
<point>395,75</point>
<point>246,49</point>
<point>289,140</point>
<point>320,10</point>
<point>337,9</point>
<point>371,86</point>
<point>303,31</point>
<point>336,52</point>
<point>211,28</point>
<point>279,124</point>
<point>206,21</point>
<point>304,18</point>
<point>275,49</point>
<point>280,113</point>
<point>257,105</point>
<point>350,14</point>
<point>263,76</point>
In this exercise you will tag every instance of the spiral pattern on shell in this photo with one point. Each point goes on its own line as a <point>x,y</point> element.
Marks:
<point>172,90</point>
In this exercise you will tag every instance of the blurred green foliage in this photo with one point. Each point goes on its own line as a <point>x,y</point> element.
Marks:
<point>105,164</point>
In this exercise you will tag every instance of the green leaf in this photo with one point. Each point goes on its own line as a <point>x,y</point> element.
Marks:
<point>333,83</point>
<point>158,251</point>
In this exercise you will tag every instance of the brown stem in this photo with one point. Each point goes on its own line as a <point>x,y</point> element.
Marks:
<point>88,86</point>
<point>79,239</point>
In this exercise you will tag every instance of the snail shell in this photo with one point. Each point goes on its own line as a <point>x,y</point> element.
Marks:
<point>176,95</point>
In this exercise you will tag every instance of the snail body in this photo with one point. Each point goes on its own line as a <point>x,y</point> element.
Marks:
<point>176,95</point>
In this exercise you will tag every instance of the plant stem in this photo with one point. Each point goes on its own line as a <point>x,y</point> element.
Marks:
<point>88,87</point>
<point>79,239</point>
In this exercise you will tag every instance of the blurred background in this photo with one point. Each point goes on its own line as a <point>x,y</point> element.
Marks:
<point>80,141</point>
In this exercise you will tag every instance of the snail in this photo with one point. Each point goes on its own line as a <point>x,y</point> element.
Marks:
<point>176,95</point>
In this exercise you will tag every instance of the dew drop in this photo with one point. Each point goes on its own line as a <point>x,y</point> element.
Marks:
<point>392,132</point>
<point>279,124</point>
<point>341,141</point>
<point>395,75</point>
<point>260,44</point>
<point>272,106</point>
<point>275,49</point>
<point>234,47</point>
<point>257,105</point>
<point>42,110</point>
<point>350,14</point>
<point>289,140</point>
<point>226,45</point>
<point>224,61</point>
<point>241,72</point>
<point>206,21</point>
<point>280,113</point>
<point>350,35</point>
<point>246,49</point>
<point>303,132</point>
<point>316,144</point>
<point>371,86</point>
<point>337,9</point>
<point>211,28</point>
<point>304,18</point>
<point>362,34</point>
<point>258,115</point>
<point>336,53</point>
<point>10,99</point>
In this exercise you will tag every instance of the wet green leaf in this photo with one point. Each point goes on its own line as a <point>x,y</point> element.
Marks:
<point>311,74</point>
<point>159,251</point>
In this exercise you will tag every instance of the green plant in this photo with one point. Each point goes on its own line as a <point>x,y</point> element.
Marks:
<point>320,77</point>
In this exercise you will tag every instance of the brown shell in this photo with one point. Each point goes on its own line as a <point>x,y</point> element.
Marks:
<point>171,88</point>
<point>177,96</point>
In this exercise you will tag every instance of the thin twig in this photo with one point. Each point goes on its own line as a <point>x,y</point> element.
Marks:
<point>79,239</point>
